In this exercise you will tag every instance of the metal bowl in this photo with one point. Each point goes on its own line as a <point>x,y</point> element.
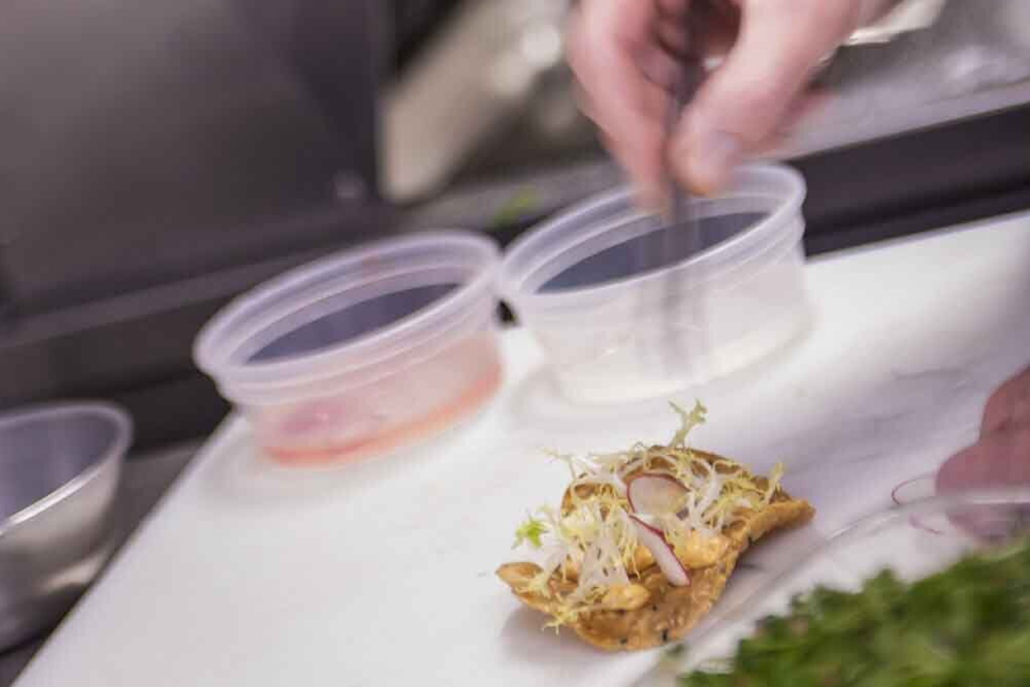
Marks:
<point>59,469</point>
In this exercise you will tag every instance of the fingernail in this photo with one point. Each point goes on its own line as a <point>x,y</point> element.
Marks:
<point>711,159</point>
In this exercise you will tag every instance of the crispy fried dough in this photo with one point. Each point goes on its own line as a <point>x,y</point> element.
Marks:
<point>664,613</point>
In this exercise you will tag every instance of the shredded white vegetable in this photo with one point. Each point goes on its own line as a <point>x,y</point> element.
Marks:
<point>592,536</point>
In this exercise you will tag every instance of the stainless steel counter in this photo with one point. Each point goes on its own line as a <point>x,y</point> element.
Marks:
<point>145,479</point>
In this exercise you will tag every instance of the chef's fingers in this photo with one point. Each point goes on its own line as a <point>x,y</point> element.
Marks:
<point>746,98</point>
<point>802,106</point>
<point>659,66</point>
<point>605,43</point>
<point>713,26</point>
<point>672,9</point>
<point>999,459</point>
<point>1009,404</point>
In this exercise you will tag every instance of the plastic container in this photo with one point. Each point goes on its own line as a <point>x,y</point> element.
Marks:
<point>363,351</point>
<point>60,466</point>
<point>915,540</point>
<point>620,316</point>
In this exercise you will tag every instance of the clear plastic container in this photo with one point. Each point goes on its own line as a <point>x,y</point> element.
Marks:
<point>363,351</point>
<point>914,540</point>
<point>621,317</point>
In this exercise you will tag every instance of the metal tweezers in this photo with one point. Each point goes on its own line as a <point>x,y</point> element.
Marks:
<point>682,295</point>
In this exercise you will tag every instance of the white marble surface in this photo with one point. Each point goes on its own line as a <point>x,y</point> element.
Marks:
<point>382,573</point>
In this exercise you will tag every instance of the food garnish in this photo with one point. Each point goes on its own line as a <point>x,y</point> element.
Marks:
<point>645,539</point>
<point>968,625</point>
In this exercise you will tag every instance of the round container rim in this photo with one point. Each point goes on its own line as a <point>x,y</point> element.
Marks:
<point>116,449</point>
<point>510,279</point>
<point>214,345</point>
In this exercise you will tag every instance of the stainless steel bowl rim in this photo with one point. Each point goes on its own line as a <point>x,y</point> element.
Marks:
<point>119,445</point>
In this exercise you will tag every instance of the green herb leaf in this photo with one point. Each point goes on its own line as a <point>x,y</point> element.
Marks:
<point>967,626</point>
<point>531,530</point>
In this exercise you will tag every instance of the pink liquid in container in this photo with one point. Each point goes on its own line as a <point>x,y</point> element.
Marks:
<point>363,352</point>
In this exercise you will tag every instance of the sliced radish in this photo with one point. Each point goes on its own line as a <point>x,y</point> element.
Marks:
<point>652,537</point>
<point>655,493</point>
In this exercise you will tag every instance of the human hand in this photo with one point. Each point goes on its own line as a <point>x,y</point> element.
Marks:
<point>1001,456</point>
<point>626,55</point>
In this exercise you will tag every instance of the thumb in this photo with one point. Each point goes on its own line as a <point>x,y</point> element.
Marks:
<point>999,459</point>
<point>747,98</point>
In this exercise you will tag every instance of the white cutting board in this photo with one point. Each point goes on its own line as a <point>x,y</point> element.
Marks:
<point>382,573</point>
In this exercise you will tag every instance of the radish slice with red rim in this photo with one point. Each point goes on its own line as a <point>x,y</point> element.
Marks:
<point>653,538</point>
<point>655,493</point>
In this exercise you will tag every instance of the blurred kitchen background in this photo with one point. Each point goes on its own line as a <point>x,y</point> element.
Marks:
<point>161,157</point>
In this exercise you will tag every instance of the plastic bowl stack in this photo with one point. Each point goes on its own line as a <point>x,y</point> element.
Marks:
<point>372,349</point>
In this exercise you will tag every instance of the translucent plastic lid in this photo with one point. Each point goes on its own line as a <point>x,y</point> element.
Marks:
<point>770,195</point>
<point>335,319</point>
